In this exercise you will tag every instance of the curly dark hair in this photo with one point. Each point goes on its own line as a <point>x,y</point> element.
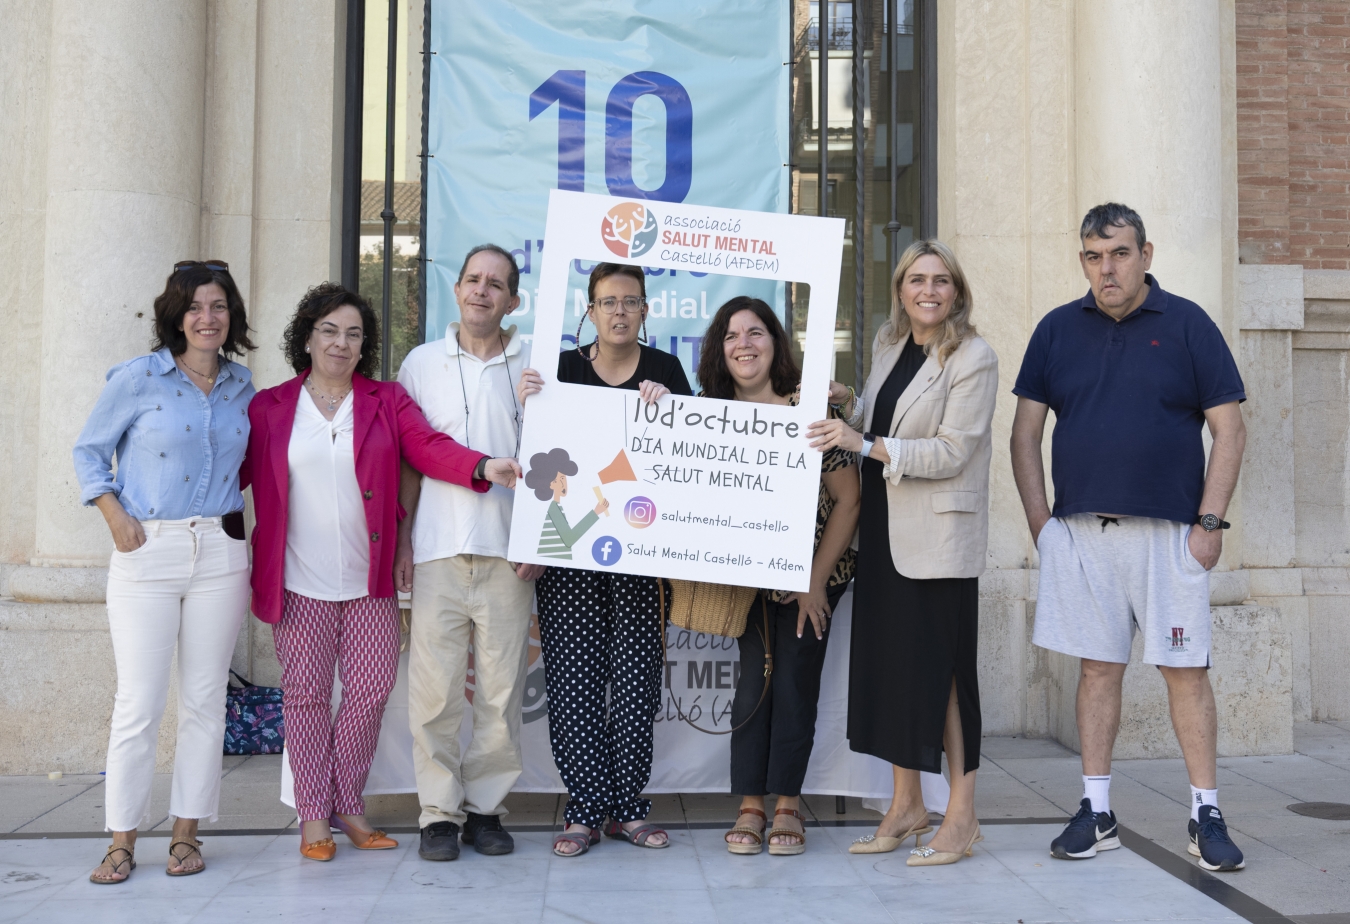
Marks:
<point>173,304</point>
<point>317,304</point>
<point>605,270</point>
<point>713,375</point>
<point>546,466</point>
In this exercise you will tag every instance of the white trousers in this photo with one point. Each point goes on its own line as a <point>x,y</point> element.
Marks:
<point>187,587</point>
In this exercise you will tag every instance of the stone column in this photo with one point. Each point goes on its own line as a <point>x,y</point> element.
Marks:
<point>1149,110</point>
<point>24,42</point>
<point>124,168</point>
<point>1152,131</point>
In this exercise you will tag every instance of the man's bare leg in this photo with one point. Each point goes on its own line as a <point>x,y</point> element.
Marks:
<point>1195,720</point>
<point>1098,713</point>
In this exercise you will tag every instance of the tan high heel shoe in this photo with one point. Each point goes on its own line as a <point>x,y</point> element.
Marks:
<point>874,843</point>
<point>361,840</point>
<point>927,856</point>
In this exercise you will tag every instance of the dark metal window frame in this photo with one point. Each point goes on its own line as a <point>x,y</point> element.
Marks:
<point>353,87</point>
<point>925,12</point>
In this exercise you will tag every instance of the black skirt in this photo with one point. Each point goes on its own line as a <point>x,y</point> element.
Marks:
<point>910,639</point>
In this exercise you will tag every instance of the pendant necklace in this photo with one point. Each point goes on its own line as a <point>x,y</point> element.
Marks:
<point>210,379</point>
<point>333,402</point>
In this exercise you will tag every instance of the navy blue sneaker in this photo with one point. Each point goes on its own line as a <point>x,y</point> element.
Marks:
<point>1087,833</point>
<point>1211,843</point>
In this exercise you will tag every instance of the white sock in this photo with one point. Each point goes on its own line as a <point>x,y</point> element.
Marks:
<point>1201,797</point>
<point>1097,790</point>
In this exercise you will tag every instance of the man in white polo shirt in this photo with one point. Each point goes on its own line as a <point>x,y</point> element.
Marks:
<point>452,556</point>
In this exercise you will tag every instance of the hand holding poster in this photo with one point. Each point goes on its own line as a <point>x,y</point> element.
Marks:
<point>707,489</point>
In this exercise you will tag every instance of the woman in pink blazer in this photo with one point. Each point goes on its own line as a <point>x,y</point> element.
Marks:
<point>323,457</point>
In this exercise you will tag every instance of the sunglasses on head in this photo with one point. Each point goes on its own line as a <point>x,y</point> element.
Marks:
<point>219,266</point>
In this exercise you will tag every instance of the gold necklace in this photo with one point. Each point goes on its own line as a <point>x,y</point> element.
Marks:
<point>210,379</point>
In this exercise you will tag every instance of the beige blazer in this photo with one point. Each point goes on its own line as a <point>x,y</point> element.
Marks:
<point>938,496</point>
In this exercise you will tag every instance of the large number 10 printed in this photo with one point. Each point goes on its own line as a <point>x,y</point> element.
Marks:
<point>568,90</point>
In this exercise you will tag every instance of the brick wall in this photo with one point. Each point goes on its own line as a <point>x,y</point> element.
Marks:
<point>1293,102</point>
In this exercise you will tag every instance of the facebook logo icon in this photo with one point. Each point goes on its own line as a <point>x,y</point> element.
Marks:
<point>606,550</point>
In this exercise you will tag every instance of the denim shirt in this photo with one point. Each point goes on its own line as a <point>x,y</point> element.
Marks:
<point>178,450</point>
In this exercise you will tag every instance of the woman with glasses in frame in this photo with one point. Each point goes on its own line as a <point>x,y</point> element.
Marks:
<point>601,630</point>
<point>176,422</point>
<point>325,456</point>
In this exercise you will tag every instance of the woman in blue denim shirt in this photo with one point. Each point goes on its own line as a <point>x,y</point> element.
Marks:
<point>176,421</point>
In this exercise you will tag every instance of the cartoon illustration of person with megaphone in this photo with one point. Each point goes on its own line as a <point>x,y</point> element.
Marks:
<point>548,477</point>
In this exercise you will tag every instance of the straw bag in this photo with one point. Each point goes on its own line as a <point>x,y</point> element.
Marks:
<point>714,609</point>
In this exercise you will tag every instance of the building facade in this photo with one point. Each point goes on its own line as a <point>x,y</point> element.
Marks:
<point>138,134</point>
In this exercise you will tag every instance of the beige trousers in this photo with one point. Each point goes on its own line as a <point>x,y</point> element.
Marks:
<point>458,601</point>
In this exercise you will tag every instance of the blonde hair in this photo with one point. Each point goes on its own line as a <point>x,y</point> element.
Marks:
<point>956,327</point>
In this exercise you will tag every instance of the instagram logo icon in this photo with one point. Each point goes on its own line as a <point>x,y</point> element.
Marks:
<point>640,512</point>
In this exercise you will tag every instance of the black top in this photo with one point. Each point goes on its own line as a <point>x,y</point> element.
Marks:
<point>654,365</point>
<point>1129,398</point>
<point>910,361</point>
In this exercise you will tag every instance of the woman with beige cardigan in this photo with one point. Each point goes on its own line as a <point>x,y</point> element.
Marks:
<point>924,528</point>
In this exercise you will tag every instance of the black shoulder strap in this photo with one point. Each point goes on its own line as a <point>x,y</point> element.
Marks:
<point>768,664</point>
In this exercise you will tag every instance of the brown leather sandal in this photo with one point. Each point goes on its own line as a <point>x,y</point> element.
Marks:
<point>116,865</point>
<point>786,850</point>
<point>193,846</point>
<point>756,833</point>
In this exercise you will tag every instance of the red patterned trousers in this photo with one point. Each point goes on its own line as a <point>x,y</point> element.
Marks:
<point>330,755</point>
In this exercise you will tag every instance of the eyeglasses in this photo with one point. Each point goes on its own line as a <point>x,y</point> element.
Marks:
<point>330,334</point>
<point>219,266</point>
<point>631,304</point>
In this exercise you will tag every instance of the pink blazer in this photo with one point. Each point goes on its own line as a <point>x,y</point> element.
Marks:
<point>389,427</point>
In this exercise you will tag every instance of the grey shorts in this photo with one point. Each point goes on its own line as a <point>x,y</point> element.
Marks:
<point>1102,581</point>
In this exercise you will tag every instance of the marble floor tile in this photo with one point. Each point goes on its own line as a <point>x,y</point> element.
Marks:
<point>815,905</point>
<point>503,907</point>
<point>821,866</point>
<point>605,906</point>
<point>142,911</point>
<point>1011,903</point>
<point>251,877</point>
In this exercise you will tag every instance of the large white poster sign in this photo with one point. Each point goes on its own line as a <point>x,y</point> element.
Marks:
<point>699,488</point>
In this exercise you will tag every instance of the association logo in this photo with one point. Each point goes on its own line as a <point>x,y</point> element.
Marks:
<point>606,551</point>
<point>629,229</point>
<point>640,512</point>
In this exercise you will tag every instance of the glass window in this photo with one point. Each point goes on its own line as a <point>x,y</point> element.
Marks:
<point>403,304</point>
<point>890,161</point>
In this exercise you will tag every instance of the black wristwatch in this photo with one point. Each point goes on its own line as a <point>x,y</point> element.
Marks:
<point>1210,522</point>
<point>480,470</point>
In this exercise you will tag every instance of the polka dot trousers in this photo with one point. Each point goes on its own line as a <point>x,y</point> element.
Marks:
<point>599,630</point>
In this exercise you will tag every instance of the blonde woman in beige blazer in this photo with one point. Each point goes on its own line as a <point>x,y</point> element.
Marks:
<point>925,415</point>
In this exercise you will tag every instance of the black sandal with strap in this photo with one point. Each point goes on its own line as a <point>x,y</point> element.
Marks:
<point>193,846</point>
<point>116,865</point>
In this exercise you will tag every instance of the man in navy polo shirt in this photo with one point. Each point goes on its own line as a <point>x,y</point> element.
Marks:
<point>1132,373</point>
